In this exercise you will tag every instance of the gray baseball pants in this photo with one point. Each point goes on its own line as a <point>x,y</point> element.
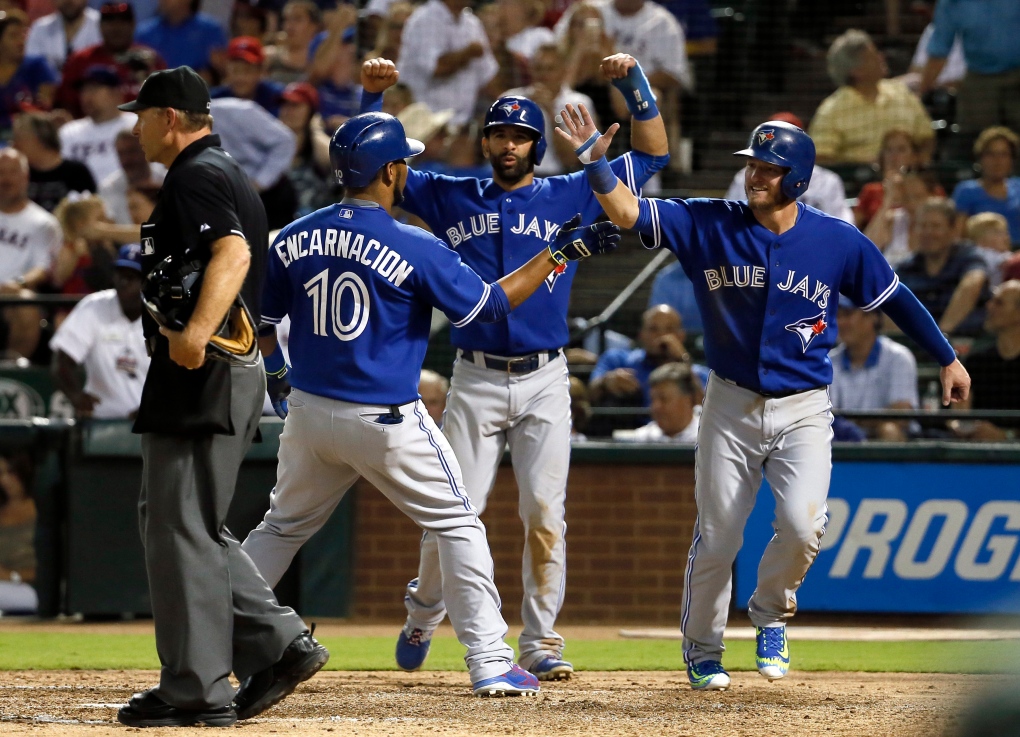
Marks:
<point>485,411</point>
<point>326,446</point>
<point>213,612</point>
<point>742,436</point>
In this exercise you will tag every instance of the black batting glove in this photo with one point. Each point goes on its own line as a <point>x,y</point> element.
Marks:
<point>573,243</point>
<point>278,388</point>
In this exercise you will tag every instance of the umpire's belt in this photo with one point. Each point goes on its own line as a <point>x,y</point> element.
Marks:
<point>511,364</point>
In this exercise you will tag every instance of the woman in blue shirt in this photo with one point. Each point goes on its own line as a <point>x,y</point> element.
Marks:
<point>25,81</point>
<point>995,190</point>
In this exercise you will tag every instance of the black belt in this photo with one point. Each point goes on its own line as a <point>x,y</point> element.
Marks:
<point>515,364</point>
<point>771,395</point>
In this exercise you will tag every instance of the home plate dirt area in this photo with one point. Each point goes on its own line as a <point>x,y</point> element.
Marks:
<point>591,704</point>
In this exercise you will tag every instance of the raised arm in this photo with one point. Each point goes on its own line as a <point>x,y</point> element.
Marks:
<point>377,75</point>
<point>647,131</point>
<point>620,204</point>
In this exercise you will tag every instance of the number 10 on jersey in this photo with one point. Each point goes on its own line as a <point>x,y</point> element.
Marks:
<point>359,300</point>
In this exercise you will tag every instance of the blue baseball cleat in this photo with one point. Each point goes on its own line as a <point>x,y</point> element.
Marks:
<point>515,682</point>
<point>708,675</point>
<point>413,648</point>
<point>772,655</point>
<point>552,669</point>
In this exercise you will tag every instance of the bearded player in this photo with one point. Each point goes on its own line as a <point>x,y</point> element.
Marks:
<point>510,384</point>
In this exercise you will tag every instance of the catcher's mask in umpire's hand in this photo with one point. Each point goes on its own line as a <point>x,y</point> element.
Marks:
<point>170,293</point>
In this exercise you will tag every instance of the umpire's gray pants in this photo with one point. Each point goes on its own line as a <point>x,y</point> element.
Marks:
<point>213,611</point>
<point>741,436</point>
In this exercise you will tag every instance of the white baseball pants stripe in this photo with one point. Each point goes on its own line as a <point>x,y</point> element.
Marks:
<point>487,410</point>
<point>743,435</point>
<point>325,446</point>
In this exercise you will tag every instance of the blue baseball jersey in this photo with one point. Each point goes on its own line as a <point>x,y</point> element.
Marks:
<point>768,302</point>
<point>496,232</point>
<point>359,288</point>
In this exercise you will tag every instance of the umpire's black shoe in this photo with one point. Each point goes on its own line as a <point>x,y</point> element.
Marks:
<point>146,709</point>
<point>301,660</point>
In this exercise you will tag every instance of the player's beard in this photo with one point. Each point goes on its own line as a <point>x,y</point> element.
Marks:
<point>511,174</point>
<point>774,201</point>
<point>398,196</point>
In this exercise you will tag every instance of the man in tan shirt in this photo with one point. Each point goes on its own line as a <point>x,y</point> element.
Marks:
<point>849,124</point>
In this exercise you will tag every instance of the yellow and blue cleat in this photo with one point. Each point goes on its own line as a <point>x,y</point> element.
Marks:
<point>708,675</point>
<point>772,654</point>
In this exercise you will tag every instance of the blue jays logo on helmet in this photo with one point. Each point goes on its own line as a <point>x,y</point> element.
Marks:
<point>786,145</point>
<point>522,113</point>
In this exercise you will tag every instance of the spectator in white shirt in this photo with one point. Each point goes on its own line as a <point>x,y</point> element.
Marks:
<point>90,140</point>
<point>133,172</point>
<point>649,33</point>
<point>103,334</point>
<point>548,70</point>
<point>675,407</point>
<point>265,148</point>
<point>825,192</point>
<point>871,371</point>
<point>445,57</point>
<point>989,231</point>
<point>29,239</point>
<point>73,27</point>
<point>524,35</point>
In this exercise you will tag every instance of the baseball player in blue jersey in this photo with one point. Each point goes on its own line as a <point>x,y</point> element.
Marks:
<point>510,383</point>
<point>767,275</point>
<point>359,288</point>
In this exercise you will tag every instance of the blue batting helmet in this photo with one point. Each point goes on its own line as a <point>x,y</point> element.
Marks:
<point>366,143</point>
<point>786,145</point>
<point>523,113</point>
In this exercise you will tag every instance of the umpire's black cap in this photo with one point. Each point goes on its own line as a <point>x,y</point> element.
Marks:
<point>180,88</point>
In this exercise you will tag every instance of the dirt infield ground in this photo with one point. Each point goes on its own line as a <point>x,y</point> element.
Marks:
<point>65,703</point>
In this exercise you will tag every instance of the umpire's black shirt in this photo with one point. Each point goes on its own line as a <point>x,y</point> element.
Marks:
<point>205,196</point>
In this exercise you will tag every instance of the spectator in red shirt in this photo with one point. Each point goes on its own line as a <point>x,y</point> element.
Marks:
<point>134,62</point>
<point>899,153</point>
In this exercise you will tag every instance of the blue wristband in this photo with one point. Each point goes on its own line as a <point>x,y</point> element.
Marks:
<point>601,176</point>
<point>371,102</point>
<point>638,94</point>
<point>274,362</point>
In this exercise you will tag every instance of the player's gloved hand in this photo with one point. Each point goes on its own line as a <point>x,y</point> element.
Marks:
<point>278,388</point>
<point>573,243</point>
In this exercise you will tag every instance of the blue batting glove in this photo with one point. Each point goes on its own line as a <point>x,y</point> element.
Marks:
<point>278,389</point>
<point>573,243</point>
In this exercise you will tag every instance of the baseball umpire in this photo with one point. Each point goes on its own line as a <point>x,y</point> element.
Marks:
<point>203,251</point>
<point>359,288</point>
<point>509,385</point>
<point>767,275</point>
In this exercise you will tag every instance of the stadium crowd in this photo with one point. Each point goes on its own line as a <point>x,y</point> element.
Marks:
<point>75,187</point>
